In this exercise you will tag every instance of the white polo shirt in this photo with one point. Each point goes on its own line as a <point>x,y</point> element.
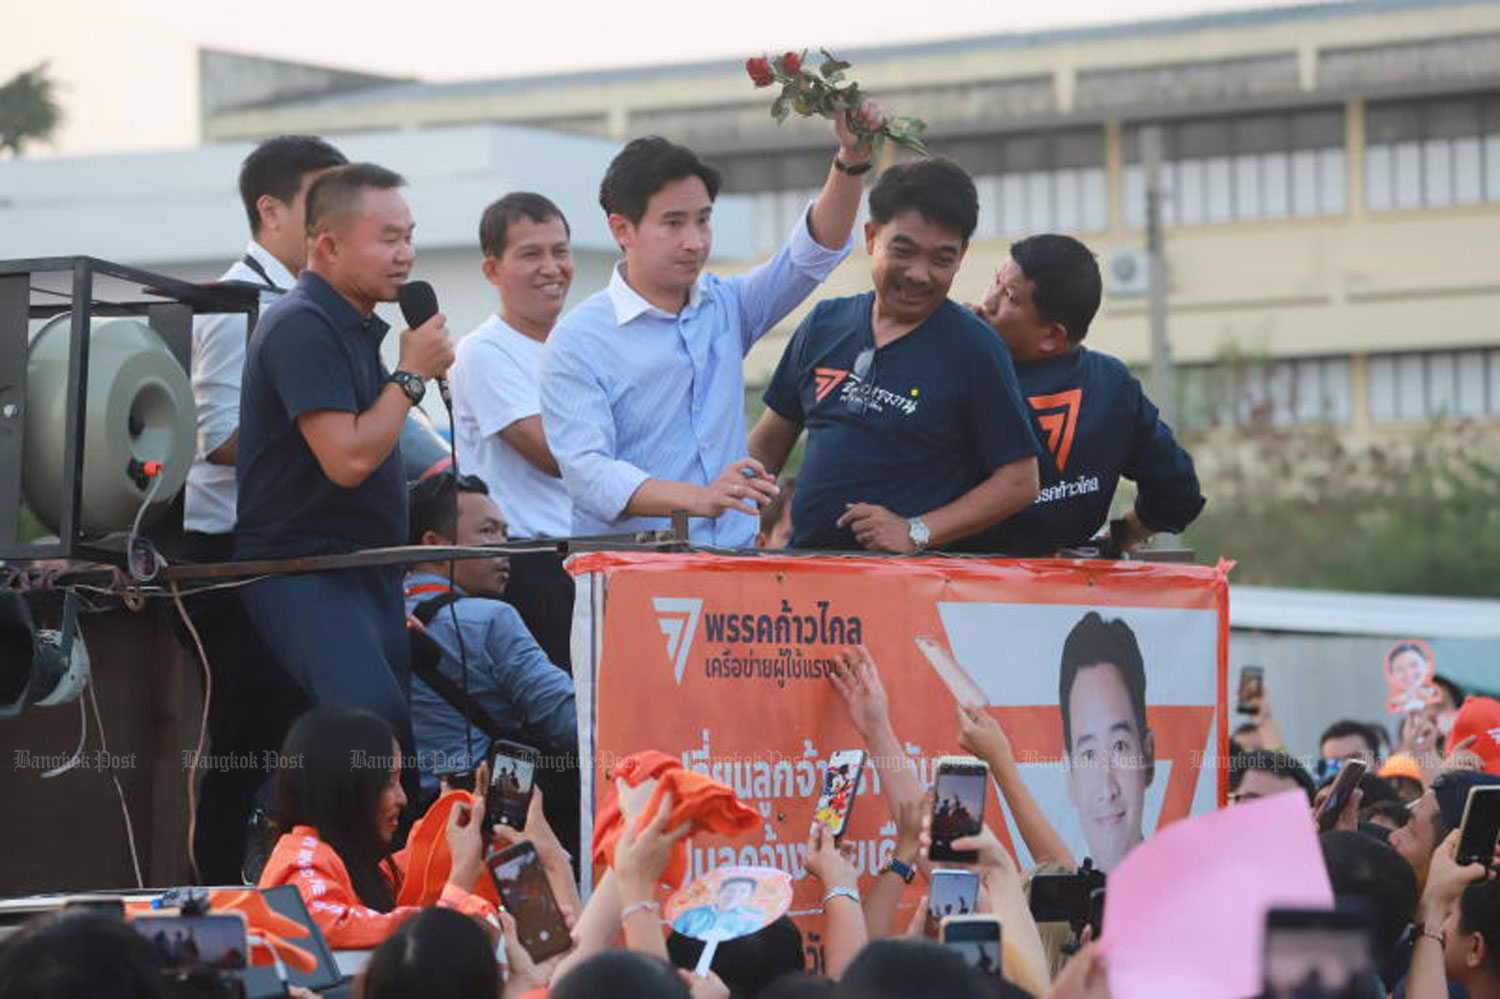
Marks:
<point>495,382</point>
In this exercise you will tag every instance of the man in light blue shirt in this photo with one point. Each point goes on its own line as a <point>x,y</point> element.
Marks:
<point>643,384</point>
<point>508,673</point>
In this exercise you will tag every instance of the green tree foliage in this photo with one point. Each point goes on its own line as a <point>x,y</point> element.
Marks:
<point>29,111</point>
<point>1427,524</point>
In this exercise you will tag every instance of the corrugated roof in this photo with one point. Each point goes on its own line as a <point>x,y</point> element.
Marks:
<point>1332,612</point>
<point>1015,40</point>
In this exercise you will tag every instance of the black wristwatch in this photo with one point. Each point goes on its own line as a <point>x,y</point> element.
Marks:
<point>413,386</point>
<point>853,171</point>
<point>902,871</point>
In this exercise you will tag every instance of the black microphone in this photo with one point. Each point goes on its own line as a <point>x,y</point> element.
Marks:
<point>419,304</point>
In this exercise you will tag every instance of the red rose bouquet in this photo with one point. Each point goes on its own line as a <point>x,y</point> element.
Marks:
<point>825,91</point>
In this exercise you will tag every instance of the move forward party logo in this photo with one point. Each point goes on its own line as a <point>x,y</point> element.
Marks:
<point>825,380</point>
<point>678,619</point>
<point>1057,415</point>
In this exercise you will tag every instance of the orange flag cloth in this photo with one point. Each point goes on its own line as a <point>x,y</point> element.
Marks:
<point>710,806</point>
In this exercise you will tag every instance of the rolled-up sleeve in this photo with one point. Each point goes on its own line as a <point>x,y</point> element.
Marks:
<point>768,292</point>
<point>218,364</point>
<point>580,429</point>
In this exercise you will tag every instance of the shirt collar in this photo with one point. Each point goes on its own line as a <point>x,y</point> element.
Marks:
<point>344,315</point>
<point>275,269</point>
<point>431,579</point>
<point>629,304</point>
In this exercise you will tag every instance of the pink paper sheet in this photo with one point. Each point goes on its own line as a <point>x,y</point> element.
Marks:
<point>1184,913</point>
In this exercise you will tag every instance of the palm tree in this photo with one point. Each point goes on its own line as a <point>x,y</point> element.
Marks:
<point>28,109</point>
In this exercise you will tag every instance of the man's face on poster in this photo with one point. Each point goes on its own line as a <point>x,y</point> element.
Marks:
<point>1110,762</point>
<point>734,893</point>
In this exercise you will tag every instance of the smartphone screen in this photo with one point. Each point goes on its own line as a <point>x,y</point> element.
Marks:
<point>840,785</point>
<point>1252,683</point>
<point>1348,779</point>
<point>957,807</point>
<point>1481,827</point>
<point>977,940</point>
<point>950,893</point>
<point>512,777</point>
<point>1315,953</point>
<point>528,897</point>
<point>214,942</point>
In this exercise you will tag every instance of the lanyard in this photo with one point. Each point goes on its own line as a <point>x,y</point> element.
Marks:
<point>255,266</point>
<point>417,591</point>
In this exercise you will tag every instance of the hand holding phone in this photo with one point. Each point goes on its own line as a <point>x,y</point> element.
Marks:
<point>1349,776</point>
<point>950,893</point>
<point>957,807</point>
<point>512,779</point>
<point>527,896</point>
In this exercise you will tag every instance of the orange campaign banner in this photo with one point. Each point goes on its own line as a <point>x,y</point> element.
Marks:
<point>724,662</point>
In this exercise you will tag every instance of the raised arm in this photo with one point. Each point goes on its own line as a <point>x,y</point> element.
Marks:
<point>832,217</point>
<point>980,733</point>
<point>858,683</point>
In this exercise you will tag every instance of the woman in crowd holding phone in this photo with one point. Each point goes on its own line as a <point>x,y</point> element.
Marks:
<point>338,793</point>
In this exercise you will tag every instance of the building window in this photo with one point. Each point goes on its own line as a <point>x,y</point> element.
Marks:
<point>1243,168</point>
<point>1433,153</point>
<point>1053,182</point>
<point>1264,394</point>
<point>1431,384</point>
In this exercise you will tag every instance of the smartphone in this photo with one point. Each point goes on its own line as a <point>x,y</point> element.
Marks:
<point>111,906</point>
<point>528,897</point>
<point>957,807</point>
<point>950,893</point>
<point>840,785</point>
<point>1315,952</point>
<point>185,944</point>
<point>1349,776</point>
<point>1252,689</point>
<point>977,940</point>
<point>1480,827</point>
<point>512,778</point>
<point>1063,898</point>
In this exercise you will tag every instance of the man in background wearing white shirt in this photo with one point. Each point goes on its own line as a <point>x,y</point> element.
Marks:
<point>252,700</point>
<point>497,406</point>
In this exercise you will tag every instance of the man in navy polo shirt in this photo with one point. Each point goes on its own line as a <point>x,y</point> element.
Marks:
<point>916,433</point>
<point>1091,412</point>
<point>319,467</point>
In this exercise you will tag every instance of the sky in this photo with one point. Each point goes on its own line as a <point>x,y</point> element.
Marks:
<point>128,70</point>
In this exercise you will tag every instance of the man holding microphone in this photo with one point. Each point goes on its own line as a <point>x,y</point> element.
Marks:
<point>319,467</point>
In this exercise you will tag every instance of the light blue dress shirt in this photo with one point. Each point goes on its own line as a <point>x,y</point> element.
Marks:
<point>509,675</point>
<point>631,392</point>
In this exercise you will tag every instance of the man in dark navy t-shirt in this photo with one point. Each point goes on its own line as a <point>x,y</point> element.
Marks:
<point>1090,411</point>
<point>318,465</point>
<point>916,433</point>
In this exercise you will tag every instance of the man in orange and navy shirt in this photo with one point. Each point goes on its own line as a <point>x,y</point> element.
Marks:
<point>1090,412</point>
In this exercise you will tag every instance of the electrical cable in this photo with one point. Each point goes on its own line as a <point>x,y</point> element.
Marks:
<point>135,858</point>
<point>458,632</point>
<point>83,738</point>
<point>192,770</point>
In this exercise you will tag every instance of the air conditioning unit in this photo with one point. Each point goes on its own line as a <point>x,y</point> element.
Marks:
<point>1129,272</point>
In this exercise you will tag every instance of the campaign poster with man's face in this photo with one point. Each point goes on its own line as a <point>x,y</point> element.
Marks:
<point>1114,676</point>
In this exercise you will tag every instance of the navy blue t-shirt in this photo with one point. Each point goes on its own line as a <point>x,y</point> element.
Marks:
<point>311,350</point>
<point>926,418</point>
<point>1097,425</point>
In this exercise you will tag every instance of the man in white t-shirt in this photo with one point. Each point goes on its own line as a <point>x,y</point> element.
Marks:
<point>497,408</point>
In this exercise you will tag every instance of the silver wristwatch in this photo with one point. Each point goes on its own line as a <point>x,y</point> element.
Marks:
<point>917,531</point>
